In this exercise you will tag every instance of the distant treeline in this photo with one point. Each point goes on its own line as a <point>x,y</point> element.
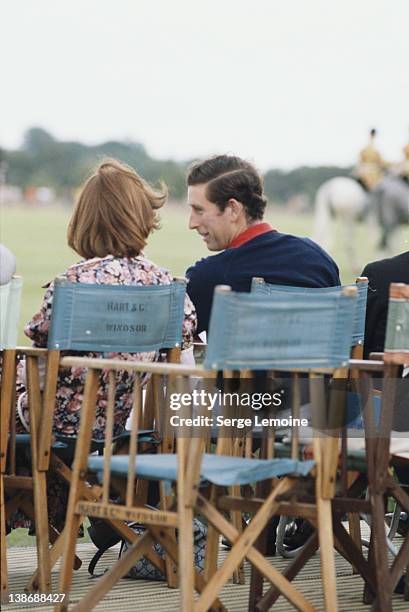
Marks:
<point>44,161</point>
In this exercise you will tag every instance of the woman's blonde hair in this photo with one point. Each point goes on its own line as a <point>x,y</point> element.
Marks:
<point>115,212</point>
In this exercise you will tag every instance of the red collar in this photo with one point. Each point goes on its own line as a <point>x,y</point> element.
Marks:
<point>251,232</point>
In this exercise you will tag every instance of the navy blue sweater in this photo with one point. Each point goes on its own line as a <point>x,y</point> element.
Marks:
<point>280,259</point>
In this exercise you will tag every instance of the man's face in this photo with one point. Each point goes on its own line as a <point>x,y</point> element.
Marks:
<point>217,228</point>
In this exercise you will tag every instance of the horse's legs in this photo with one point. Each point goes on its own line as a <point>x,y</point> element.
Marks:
<point>323,225</point>
<point>349,241</point>
<point>383,243</point>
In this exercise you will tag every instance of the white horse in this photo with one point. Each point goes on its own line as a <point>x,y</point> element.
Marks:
<point>339,198</point>
<point>344,198</point>
<point>390,202</point>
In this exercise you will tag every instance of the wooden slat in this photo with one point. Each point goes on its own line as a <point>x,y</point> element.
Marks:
<point>136,413</point>
<point>135,366</point>
<point>109,426</point>
<point>367,366</point>
<point>4,564</point>
<point>31,351</point>
<point>39,477</point>
<point>6,400</point>
<point>18,482</point>
<point>296,415</point>
<point>53,358</point>
<point>166,368</point>
<point>112,511</point>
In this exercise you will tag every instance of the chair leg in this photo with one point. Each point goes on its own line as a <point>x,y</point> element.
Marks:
<point>256,577</point>
<point>263,489</point>
<point>4,571</point>
<point>70,532</point>
<point>170,567</point>
<point>41,524</point>
<point>104,584</point>
<point>243,547</point>
<point>236,519</point>
<point>378,537</point>
<point>290,572</point>
<point>212,552</point>
<point>170,546</point>
<point>354,522</point>
<point>186,561</point>
<point>368,596</point>
<point>355,532</point>
<point>347,548</point>
<point>212,544</point>
<point>326,543</point>
<point>56,550</point>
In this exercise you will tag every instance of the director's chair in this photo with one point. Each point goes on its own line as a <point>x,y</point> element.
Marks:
<point>247,332</point>
<point>103,319</point>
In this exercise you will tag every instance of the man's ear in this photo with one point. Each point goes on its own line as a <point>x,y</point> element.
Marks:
<point>236,207</point>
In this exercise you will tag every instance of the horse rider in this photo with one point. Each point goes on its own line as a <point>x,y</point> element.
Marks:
<point>404,166</point>
<point>370,167</point>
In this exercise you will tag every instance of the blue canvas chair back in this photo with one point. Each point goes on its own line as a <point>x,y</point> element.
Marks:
<point>116,318</point>
<point>397,326</point>
<point>10,299</point>
<point>252,331</point>
<point>258,285</point>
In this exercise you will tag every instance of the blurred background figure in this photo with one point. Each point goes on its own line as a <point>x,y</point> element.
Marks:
<point>371,165</point>
<point>404,166</point>
<point>7,265</point>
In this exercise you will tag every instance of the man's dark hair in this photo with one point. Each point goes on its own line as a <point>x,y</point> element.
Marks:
<point>226,177</point>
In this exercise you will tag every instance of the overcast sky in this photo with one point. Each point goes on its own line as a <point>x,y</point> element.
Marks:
<point>281,82</point>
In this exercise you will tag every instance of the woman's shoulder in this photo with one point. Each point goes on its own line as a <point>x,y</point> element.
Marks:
<point>118,270</point>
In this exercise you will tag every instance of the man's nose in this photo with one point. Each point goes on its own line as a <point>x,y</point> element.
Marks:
<point>193,223</point>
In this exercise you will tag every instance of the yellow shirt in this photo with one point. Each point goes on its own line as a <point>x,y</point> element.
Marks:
<point>370,166</point>
<point>405,164</point>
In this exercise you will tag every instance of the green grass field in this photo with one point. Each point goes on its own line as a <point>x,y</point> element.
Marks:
<point>38,239</point>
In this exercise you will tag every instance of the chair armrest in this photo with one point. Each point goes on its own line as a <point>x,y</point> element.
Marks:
<point>376,356</point>
<point>366,365</point>
<point>32,351</point>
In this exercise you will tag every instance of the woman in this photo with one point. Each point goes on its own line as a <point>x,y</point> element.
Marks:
<point>113,218</point>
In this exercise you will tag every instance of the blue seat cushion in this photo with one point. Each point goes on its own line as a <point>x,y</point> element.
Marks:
<point>220,470</point>
<point>25,440</point>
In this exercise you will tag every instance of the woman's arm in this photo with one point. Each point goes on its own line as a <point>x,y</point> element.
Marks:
<point>189,324</point>
<point>37,328</point>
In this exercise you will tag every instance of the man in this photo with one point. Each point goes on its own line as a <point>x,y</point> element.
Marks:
<point>371,165</point>
<point>225,194</point>
<point>381,274</point>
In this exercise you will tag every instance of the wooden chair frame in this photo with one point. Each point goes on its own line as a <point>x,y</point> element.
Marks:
<point>161,523</point>
<point>42,406</point>
<point>380,580</point>
<point>28,492</point>
<point>51,462</point>
<point>190,501</point>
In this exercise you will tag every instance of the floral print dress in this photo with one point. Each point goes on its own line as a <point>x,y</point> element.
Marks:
<point>70,388</point>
